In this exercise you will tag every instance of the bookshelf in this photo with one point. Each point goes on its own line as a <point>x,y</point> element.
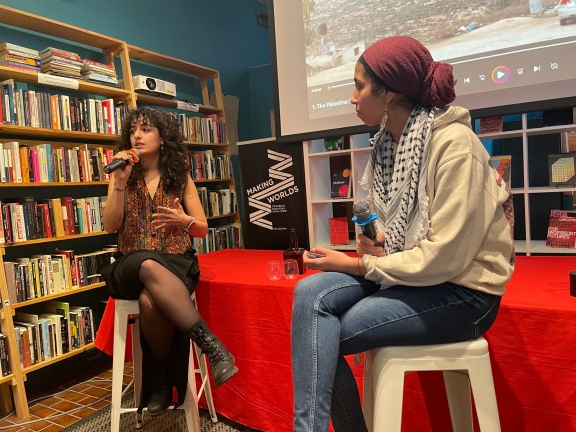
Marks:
<point>12,386</point>
<point>530,246</point>
<point>318,185</point>
<point>208,78</point>
<point>317,172</point>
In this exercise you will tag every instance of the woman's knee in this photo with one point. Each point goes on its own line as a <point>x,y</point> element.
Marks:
<point>148,268</point>
<point>309,290</point>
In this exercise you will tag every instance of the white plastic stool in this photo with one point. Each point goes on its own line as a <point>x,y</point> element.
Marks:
<point>464,365</point>
<point>123,309</point>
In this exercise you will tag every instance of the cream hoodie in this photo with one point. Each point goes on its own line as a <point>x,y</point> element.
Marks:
<point>469,242</point>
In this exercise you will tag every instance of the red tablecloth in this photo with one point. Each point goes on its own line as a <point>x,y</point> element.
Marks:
<point>532,343</point>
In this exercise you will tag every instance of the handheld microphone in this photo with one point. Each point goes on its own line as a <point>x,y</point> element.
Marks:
<point>119,163</point>
<point>365,220</point>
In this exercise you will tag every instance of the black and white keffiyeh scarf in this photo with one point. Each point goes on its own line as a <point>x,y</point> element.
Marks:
<point>396,180</point>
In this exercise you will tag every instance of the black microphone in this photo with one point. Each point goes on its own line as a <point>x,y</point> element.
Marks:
<point>366,220</point>
<point>119,163</point>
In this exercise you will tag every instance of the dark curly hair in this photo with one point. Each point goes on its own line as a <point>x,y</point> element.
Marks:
<point>173,163</point>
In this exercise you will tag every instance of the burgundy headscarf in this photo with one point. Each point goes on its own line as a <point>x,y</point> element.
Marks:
<point>406,67</point>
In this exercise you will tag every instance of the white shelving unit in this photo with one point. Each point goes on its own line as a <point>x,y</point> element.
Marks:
<point>318,184</point>
<point>530,246</point>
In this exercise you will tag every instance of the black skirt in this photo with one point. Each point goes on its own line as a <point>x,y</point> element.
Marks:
<point>123,282</point>
<point>123,275</point>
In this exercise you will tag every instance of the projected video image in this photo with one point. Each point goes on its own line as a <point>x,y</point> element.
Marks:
<point>462,32</point>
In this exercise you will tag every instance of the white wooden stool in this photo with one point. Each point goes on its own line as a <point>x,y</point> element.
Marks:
<point>123,309</point>
<point>464,365</point>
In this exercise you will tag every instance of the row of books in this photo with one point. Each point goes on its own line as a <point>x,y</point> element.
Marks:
<point>58,272</point>
<point>24,107</point>
<point>23,163</point>
<point>218,202</point>
<point>25,219</point>
<point>58,62</point>
<point>19,57</point>
<point>54,333</point>
<point>206,129</point>
<point>69,64</point>
<point>205,166</point>
<point>223,237</point>
<point>61,63</point>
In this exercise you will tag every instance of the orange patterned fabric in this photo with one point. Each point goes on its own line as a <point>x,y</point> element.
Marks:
<point>137,232</point>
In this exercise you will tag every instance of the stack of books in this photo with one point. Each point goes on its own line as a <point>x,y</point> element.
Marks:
<point>99,73</point>
<point>19,57</point>
<point>61,63</point>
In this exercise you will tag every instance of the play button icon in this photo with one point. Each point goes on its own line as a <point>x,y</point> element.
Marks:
<point>501,74</point>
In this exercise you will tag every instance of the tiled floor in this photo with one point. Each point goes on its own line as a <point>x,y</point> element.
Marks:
<point>58,404</point>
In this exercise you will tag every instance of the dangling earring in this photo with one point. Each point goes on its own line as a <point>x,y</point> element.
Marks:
<point>384,118</point>
<point>162,146</point>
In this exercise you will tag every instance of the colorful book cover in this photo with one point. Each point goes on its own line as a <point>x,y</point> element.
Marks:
<point>339,231</point>
<point>561,169</point>
<point>335,144</point>
<point>341,183</point>
<point>503,166</point>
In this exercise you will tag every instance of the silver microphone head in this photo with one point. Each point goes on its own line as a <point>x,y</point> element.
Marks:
<point>361,209</point>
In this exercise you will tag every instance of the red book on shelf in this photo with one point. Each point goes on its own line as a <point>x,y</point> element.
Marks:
<point>339,231</point>
<point>562,229</point>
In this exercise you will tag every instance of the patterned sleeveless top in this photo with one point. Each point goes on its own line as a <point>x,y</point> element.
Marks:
<point>137,232</point>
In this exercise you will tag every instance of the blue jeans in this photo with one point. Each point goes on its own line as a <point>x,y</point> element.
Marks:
<point>336,314</point>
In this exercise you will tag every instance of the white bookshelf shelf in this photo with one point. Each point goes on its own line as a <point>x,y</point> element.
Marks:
<point>539,246</point>
<point>331,154</point>
<point>529,132</point>
<point>318,184</point>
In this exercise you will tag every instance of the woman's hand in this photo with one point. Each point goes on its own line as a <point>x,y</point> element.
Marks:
<point>365,246</point>
<point>332,261</point>
<point>121,174</point>
<point>167,216</point>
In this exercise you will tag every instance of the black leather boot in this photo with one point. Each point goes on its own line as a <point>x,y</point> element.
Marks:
<point>161,397</point>
<point>221,361</point>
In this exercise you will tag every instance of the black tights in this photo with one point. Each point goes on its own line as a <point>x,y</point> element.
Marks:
<point>164,303</point>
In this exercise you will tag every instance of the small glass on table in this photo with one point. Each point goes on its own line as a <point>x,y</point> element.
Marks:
<point>274,270</point>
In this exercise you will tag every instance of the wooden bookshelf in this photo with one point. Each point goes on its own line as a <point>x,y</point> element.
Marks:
<point>54,134</point>
<point>6,379</point>
<point>18,75</point>
<point>36,23</point>
<point>57,295</point>
<point>56,359</point>
<point>53,184</point>
<point>112,49</point>
<point>172,103</point>
<point>53,239</point>
<point>157,59</point>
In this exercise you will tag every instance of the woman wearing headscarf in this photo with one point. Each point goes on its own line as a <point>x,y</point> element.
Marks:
<point>442,220</point>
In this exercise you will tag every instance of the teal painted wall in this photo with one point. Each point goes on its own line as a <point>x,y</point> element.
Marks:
<point>222,34</point>
<point>262,102</point>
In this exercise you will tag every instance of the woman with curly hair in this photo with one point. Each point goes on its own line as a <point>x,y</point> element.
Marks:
<point>155,208</point>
